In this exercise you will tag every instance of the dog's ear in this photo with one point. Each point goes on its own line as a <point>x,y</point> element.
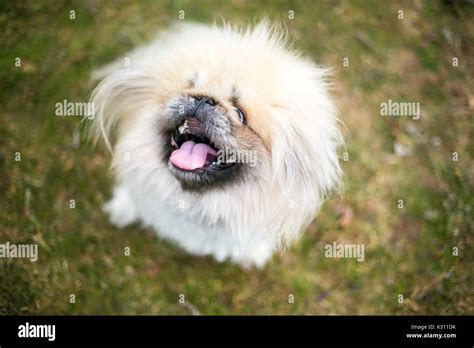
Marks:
<point>122,92</point>
<point>305,143</point>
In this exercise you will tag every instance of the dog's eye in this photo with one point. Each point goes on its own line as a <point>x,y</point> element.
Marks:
<point>241,114</point>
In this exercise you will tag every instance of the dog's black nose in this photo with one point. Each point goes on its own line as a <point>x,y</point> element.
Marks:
<point>200,100</point>
<point>204,108</point>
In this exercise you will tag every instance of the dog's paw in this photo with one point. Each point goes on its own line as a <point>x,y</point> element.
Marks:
<point>121,209</point>
<point>255,257</point>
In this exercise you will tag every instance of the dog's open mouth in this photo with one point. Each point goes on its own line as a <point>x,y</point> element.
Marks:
<point>192,150</point>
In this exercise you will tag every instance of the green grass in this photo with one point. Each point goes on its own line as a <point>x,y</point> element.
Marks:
<point>408,251</point>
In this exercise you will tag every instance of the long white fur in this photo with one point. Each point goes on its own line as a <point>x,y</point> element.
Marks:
<point>246,222</point>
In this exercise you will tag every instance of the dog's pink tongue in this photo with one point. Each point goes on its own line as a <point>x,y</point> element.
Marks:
<point>190,155</point>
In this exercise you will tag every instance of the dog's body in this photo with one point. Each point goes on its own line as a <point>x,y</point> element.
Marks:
<point>192,95</point>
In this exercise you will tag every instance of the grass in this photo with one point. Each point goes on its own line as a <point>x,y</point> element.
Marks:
<point>408,251</point>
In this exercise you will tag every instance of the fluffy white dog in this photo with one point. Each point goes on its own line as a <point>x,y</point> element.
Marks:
<point>224,140</point>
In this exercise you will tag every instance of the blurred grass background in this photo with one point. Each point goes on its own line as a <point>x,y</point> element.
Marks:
<point>408,251</point>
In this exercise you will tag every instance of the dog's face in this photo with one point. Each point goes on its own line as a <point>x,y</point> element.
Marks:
<point>209,140</point>
<point>221,112</point>
<point>212,131</point>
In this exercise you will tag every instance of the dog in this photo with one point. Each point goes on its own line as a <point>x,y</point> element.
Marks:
<point>224,139</point>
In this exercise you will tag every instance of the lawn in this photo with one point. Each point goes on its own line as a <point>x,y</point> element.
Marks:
<point>408,184</point>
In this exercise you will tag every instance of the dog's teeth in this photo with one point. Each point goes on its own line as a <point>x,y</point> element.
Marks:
<point>184,128</point>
